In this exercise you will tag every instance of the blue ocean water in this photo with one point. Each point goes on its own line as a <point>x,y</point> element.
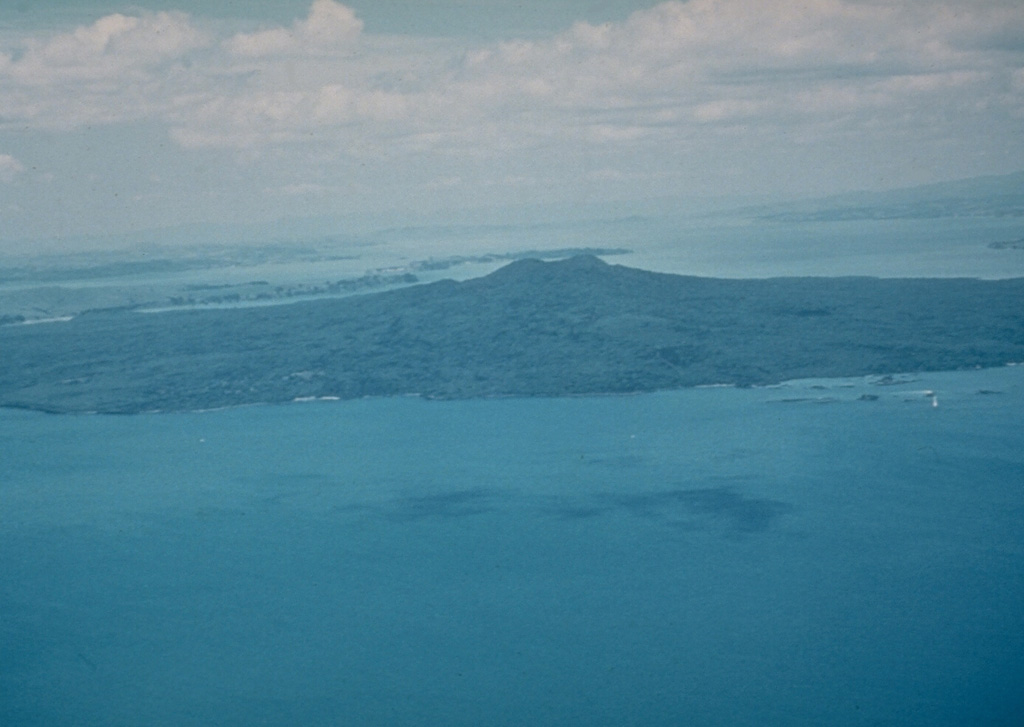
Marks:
<point>839,552</point>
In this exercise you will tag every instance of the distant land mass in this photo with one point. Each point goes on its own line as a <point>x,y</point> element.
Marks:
<point>532,328</point>
<point>48,286</point>
<point>989,196</point>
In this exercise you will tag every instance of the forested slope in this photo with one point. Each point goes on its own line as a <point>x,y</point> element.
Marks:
<point>576,326</point>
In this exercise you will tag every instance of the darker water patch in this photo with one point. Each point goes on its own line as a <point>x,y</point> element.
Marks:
<point>693,509</point>
<point>688,507</point>
<point>574,509</point>
<point>441,506</point>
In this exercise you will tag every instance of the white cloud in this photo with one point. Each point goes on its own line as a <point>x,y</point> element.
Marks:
<point>328,25</point>
<point>9,168</point>
<point>119,68</point>
<point>669,77</point>
<point>112,48</point>
<point>704,59</point>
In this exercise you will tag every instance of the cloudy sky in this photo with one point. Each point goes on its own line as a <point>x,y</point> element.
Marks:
<point>117,117</point>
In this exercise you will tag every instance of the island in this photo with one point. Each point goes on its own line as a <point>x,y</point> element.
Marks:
<point>532,328</point>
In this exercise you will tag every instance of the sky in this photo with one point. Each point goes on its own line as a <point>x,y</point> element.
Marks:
<point>118,117</point>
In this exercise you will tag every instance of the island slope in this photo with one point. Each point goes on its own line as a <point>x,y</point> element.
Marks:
<point>577,326</point>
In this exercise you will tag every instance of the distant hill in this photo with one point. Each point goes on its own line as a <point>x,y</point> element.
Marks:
<point>989,196</point>
<point>577,326</point>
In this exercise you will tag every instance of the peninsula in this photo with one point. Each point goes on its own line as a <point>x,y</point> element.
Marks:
<point>532,328</point>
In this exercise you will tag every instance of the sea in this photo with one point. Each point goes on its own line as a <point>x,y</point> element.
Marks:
<point>840,552</point>
<point>821,552</point>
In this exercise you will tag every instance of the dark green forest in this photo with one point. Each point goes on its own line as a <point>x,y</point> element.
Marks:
<point>532,328</point>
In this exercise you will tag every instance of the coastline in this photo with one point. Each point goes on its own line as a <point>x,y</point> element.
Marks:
<point>897,380</point>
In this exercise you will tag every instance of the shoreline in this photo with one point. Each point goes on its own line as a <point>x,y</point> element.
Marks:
<point>896,380</point>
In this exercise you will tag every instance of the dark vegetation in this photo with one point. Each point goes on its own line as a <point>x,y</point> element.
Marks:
<point>578,326</point>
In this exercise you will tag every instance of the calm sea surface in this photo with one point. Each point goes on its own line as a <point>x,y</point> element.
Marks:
<point>836,552</point>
